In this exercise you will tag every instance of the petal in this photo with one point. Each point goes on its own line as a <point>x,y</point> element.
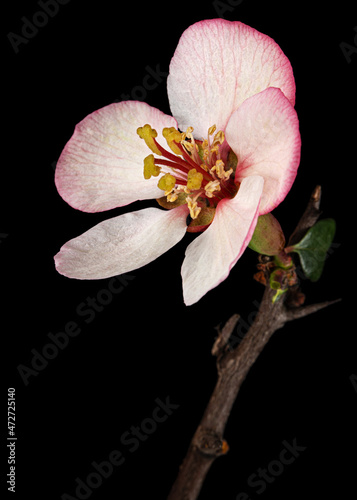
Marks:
<point>121,244</point>
<point>101,167</point>
<point>217,65</point>
<point>211,256</point>
<point>264,134</point>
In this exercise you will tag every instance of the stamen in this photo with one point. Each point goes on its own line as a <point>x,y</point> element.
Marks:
<point>150,169</point>
<point>218,138</point>
<point>220,171</point>
<point>171,197</point>
<point>194,179</point>
<point>173,137</point>
<point>190,148</point>
<point>167,183</point>
<point>148,134</point>
<point>175,192</point>
<point>193,172</point>
<point>212,130</point>
<point>210,149</point>
<point>173,165</point>
<point>193,208</point>
<point>211,187</point>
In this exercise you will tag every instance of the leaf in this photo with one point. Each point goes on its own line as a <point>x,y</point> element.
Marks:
<point>312,249</point>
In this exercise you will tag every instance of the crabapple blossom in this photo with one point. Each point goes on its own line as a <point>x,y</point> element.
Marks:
<point>229,153</point>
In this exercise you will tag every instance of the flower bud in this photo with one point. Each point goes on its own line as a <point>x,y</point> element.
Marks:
<point>268,237</point>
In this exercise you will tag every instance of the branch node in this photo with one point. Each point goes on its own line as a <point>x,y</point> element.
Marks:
<point>221,343</point>
<point>210,444</point>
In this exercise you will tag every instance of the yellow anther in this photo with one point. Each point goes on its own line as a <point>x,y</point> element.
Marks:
<point>212,130</point>
<point>220,171</point>
<point>171,196</point>
<point>194,209</point>
<point>211,187</point>
<point>173,136</point>
<point>216,168</point>
<point>189,146</point>
<point>227,174</point>
<point>218,138</point>
<point>167,183</point>
<point>188,142</point>
<point>150,169</point>
<point>174,193</point>
<point>148,134</point>
<point>194,179</point>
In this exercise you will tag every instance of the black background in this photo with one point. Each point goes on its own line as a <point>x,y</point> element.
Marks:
<point>145,343</point>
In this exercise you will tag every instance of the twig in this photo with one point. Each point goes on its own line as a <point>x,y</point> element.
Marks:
<point>301,312</point>
<point>232,366</point>
<point>309,217</point>
<point>221,342</point>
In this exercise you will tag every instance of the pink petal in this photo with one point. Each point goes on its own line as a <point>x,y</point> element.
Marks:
<point>264,134</point>
<point>217,65</point>
<point>101,167</point>
<point>211,256</point>
<point>122,244</point>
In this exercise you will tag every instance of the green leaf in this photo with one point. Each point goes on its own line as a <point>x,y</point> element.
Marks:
<point>312,249</point>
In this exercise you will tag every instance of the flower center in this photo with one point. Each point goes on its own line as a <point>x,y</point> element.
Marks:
<point>194,172</point>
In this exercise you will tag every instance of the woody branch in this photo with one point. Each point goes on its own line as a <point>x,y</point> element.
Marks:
<point>232,368</point>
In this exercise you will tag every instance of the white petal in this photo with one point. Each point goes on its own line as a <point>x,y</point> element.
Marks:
<point>211,256</point>
<point>216,66</point>
<point>101,166</point>
<point>122,244</point>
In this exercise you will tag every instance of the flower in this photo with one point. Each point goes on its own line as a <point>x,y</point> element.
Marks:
<point>229,153</point>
